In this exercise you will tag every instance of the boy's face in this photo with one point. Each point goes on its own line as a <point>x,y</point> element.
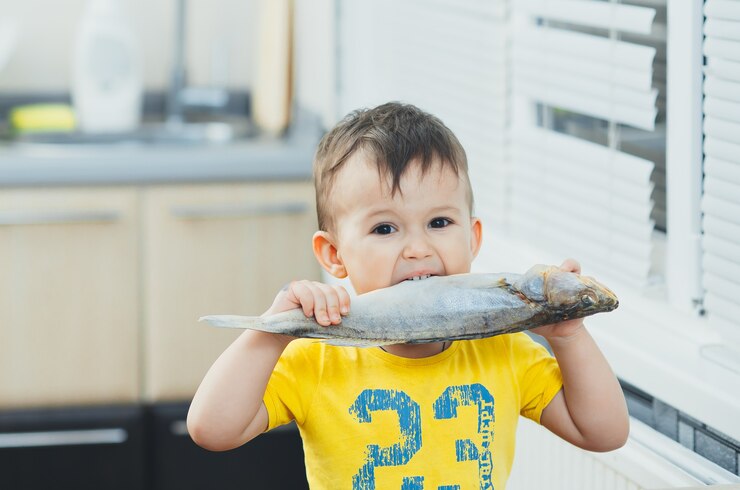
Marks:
<point>380,240</point>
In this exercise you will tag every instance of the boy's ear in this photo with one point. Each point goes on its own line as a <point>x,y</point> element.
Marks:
<point>325,250</point>
<point>476,235</point>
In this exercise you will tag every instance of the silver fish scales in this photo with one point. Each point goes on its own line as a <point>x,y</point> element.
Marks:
<point>457,307</point>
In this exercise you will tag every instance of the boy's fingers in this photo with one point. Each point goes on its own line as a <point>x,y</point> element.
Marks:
<point>319,305</point>
<point>303,296</point>
<point>571,265</point>
<point>344,299</point>
<point>332,303</point>
<point>316,299</point>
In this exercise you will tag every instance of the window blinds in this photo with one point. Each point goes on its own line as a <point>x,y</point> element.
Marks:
<point>446,56</point>
<point>568,195</point>
<point>721,198</point>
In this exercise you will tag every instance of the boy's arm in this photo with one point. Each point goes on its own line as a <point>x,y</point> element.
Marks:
<point>227,409</point>
<point>590,410</point>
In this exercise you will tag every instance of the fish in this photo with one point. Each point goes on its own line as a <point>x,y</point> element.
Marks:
<point>440,308</point>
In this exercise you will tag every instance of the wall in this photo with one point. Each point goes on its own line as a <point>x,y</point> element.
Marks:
<point>220,38</point>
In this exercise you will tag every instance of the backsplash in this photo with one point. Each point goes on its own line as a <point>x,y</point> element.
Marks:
<point>220,34</point>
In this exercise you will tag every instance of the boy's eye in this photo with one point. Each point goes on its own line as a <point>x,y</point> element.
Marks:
<point>384,229</point>
<point>439,222</point>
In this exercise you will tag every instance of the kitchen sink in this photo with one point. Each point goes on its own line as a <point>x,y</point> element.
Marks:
<point>193,132</point>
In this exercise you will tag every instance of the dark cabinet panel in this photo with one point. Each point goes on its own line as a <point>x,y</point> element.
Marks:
<point>273,460</point>
<point>86,448</point>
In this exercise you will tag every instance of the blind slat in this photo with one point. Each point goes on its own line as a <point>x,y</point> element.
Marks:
<point>723,29</point>
<point>556,206</point>
<point>722,9</point>
<point>627,77</point>
<point>722,48</point>
<point>722,150</point>
<point>595,14</point>
<point>600,255</point>
<point>591,106</point>
<point>723,89</point>
<point>717,305</point>
<point>729,191</point>
<point>722,169</point>
<point>721,228</point>
<point>723,248</point>
<point>721,208</point>
<point>722,109</point>
<point>723,69</point>
<point>722,268</point>
<point>544,76</point>
<point>579,45</point>
<point>599,157</point>
<point>722,286</point>
<point>567,173</point>
<point>722,130</point>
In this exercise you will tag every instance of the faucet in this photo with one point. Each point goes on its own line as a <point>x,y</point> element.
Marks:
<point>180,96</point>
<point>178,73</point>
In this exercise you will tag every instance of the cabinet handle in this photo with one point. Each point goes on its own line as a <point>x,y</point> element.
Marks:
<point>63,438</point>
<point>238,210</point>
<point>179,428</point>
<point>10,218</point>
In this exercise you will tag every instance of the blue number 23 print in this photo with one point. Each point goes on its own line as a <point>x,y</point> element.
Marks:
<point>409,419</point>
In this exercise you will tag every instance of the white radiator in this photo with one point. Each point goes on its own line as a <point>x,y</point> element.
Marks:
<point>649,460</point>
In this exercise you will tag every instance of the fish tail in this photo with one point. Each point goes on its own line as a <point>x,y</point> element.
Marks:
<point>237,321</point>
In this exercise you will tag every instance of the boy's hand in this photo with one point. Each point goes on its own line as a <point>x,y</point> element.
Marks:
<point>324,302</point>
<point>568,328</point>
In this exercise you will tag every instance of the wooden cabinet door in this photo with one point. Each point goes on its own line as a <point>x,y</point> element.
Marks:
<point>215,249</point>
<point>68,296</point>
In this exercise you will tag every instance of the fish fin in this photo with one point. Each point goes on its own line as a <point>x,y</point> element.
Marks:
<point>342,342</point>
<point>502,283</point>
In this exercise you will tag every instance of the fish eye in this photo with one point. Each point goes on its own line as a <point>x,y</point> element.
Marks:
<point>587,300</point>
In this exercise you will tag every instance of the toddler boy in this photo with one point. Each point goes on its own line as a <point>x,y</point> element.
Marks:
<point>395,203</point>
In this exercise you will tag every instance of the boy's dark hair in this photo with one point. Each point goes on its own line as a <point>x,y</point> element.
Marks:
<point>394,134</point>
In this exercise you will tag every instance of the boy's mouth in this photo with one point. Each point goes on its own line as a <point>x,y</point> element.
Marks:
<point>419,277</point>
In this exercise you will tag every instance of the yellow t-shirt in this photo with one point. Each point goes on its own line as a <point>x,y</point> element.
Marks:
<point>372,420</point>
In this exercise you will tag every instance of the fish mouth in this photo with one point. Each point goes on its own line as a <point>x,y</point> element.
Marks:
<point>606,299</point>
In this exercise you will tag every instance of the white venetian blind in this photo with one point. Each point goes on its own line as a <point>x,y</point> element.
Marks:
<point>721,199</point>
<point>572,195</point>
<point>446,56</point>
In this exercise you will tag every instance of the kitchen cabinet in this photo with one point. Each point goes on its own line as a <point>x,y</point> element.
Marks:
<point>272,460</point>
<point>100,348</point>
<point>69,307</point>
<point>80,448</point>
<point>215,249</point>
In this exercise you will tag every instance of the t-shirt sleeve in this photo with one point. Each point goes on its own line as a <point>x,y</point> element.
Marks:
<point>293,383</point>
<point>538,375</point>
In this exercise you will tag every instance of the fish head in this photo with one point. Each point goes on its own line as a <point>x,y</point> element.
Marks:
<point>570,293</point>
<point>574,294</point>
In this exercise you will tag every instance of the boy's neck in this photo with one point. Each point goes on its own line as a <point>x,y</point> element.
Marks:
<point>417,351</point>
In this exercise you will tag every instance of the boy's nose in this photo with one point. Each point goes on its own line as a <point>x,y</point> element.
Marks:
<point>417,248</point>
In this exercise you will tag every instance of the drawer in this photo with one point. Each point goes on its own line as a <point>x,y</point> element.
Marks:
<point>86,448</point>
<point>272,460</point>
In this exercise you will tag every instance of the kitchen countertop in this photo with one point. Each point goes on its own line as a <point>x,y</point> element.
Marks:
<point>260,158</point>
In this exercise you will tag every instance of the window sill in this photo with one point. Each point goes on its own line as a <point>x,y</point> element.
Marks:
<point>649,344</point>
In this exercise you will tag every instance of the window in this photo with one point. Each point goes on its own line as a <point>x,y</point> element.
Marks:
<point>584,141</point>
<point>588,134</point>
